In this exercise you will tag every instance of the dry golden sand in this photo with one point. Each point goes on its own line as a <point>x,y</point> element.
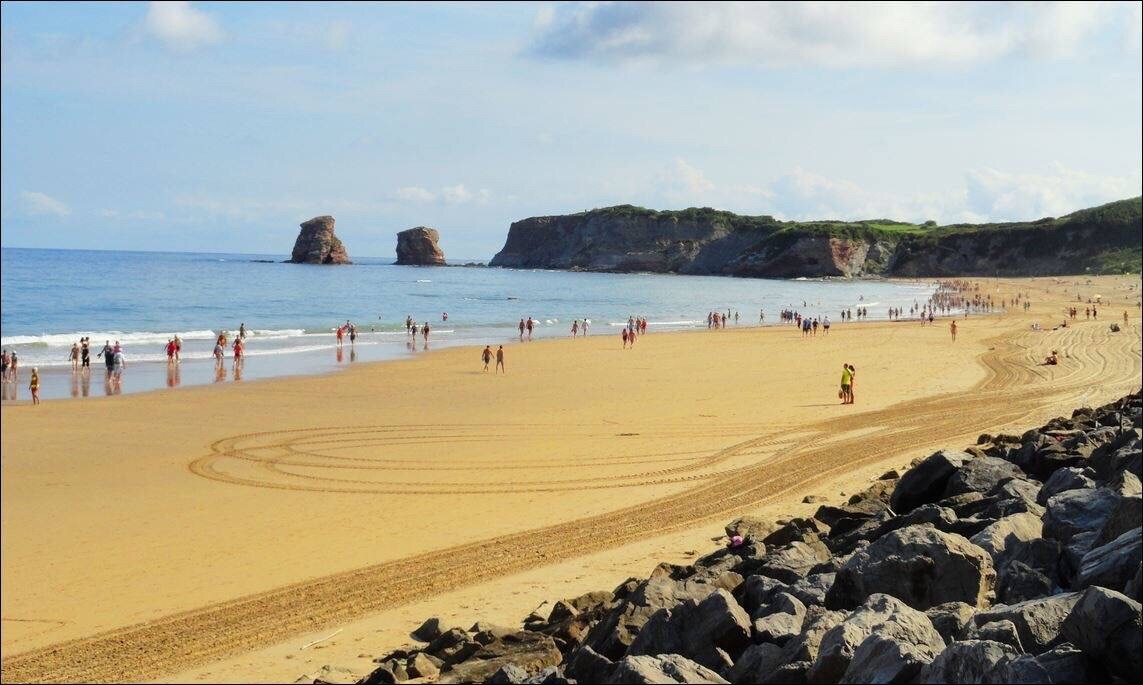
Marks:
<point>209,532</point>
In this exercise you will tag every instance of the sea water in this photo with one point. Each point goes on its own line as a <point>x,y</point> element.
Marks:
<point>49,299</point>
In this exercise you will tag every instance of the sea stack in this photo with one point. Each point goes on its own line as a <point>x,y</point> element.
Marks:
<point>418,247</point>
<point>316,244</point>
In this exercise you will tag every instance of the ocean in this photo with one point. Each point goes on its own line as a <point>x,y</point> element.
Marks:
<point>49,299</point>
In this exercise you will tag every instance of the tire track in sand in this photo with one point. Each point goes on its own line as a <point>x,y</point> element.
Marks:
<point>1012,393</point>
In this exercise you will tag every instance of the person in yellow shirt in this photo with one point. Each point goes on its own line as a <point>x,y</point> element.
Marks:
<point>34,386</point>
<point>846,383</point>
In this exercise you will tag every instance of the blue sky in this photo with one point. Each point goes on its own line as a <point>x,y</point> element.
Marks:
<point>219,127</point>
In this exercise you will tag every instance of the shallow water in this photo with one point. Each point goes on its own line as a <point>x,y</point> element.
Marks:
<point>51,298</point>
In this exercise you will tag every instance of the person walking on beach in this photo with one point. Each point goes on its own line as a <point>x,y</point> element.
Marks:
<point>425,332</point>
<point>952,330</point>
<point>5,362</point>
<point>340,334</point>
<point>242,331</point>
<point>846,384</point>
<point>170,350</point>
<point>107,353</point>
<point>521,330</point>
<point>575,328</point>
<point>219,353</point>
<point>623,334</point>
<point>486,357</point>
<point>74,356</point>
<point>500,359</point>
<point>531,325</point>
<point>239,348</point>
<point>118,363</point>
<point>34,386</point>
<point>585,323</point>
<point>178,348</point>
<point>85,353</point>
<point>852,383</point>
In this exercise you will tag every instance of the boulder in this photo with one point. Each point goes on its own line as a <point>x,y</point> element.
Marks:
<point>584,665</point>
<point>794,561</point>
<point>429,630</point>
<point>768,663</point>
<point>968,661</point>
<point>1078,511</point>
<point>884,659</point>
<point>996,537</point>
<point>889,618</point>
<point>1074,478</point>
<point>1113,564</point>
<point>780,620</point>
<point>1061,664</point>
<point>529,651</point>
<point>926,481</point>
<point>1106,626</point>
<point>664,668</point>
<point>418,247</point>
<point>421,665</point>
<point>813,588</point>
<point>754,527</point>
<point>950,619</point>
<point>1019,582</point>
<point>667,587</point>
<point>1127,514</point>
<point>997,631</point>
<point>705,632</point>
<point>1037,621</point>
<point>981,475</point>
<point>507,674</point>
<point>316,244</point>
<point>921,566</point>
<point>1135,585</point>
<point>796,530</point>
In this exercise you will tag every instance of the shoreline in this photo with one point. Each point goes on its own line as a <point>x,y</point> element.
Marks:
<point>693,426</point>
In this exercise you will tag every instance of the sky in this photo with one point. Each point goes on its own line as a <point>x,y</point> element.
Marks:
<point>219,127</point>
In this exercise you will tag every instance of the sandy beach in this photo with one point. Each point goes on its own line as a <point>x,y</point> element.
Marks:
<point>209,532</point>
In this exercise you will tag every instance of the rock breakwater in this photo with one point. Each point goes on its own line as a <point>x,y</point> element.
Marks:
<point>1016,560</point>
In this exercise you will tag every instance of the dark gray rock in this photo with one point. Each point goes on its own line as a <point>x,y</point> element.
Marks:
<point>950,619</point>
<point>925,482</point>
<point>529,651</point>
<point>1061,664</point>
<point>584,665</point>
<point>509,673</point>
<point>780,620</point>
<point>452,646</point>
<point>796,530</point>
<point>888,618</point>
<point>429,630</point>
<point>813,588</point>
<point>667,587</point>
<point>764,658</point>
<point>317,244</point>
<point>921,566</point>
<point>664,668</point>
<point>1078,511</point>
<point>1037,621</point>
<point>997,631</point>
<point>705,632</point>
<point>1127,514</point>
<point>862,509</point>
<point>981,475</point>
<point>754,527</point>
<point>758,591</point>
<point>794,561</point>
<point>1019,582</point>
<point>968,661</point>
<point>1114,564</point>
<point>1135,586</point>
<point>1106,626</point>
<point>762,664</point>
<point>997,537</point>
<point>1073,478</point>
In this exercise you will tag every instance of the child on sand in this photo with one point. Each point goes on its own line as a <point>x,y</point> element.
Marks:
<point>34,386</point>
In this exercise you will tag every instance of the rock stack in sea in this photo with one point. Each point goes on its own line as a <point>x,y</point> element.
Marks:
<point>316,244</point>
<point>1016,560</point>
<point>418,247</point>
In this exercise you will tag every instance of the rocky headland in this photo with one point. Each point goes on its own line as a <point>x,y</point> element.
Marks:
<point>317,244</point>
<point>419,247</point>
<point>1016,560</point>
<point>1105,239</point>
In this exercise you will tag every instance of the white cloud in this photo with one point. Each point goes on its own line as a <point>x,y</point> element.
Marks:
<point>180,27</point>
<point>41,204</point>
<point>825,34</point>
<point>450,195</point>
<point>415,194</point>
<point>455,195</point>
<point>996,194</point>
